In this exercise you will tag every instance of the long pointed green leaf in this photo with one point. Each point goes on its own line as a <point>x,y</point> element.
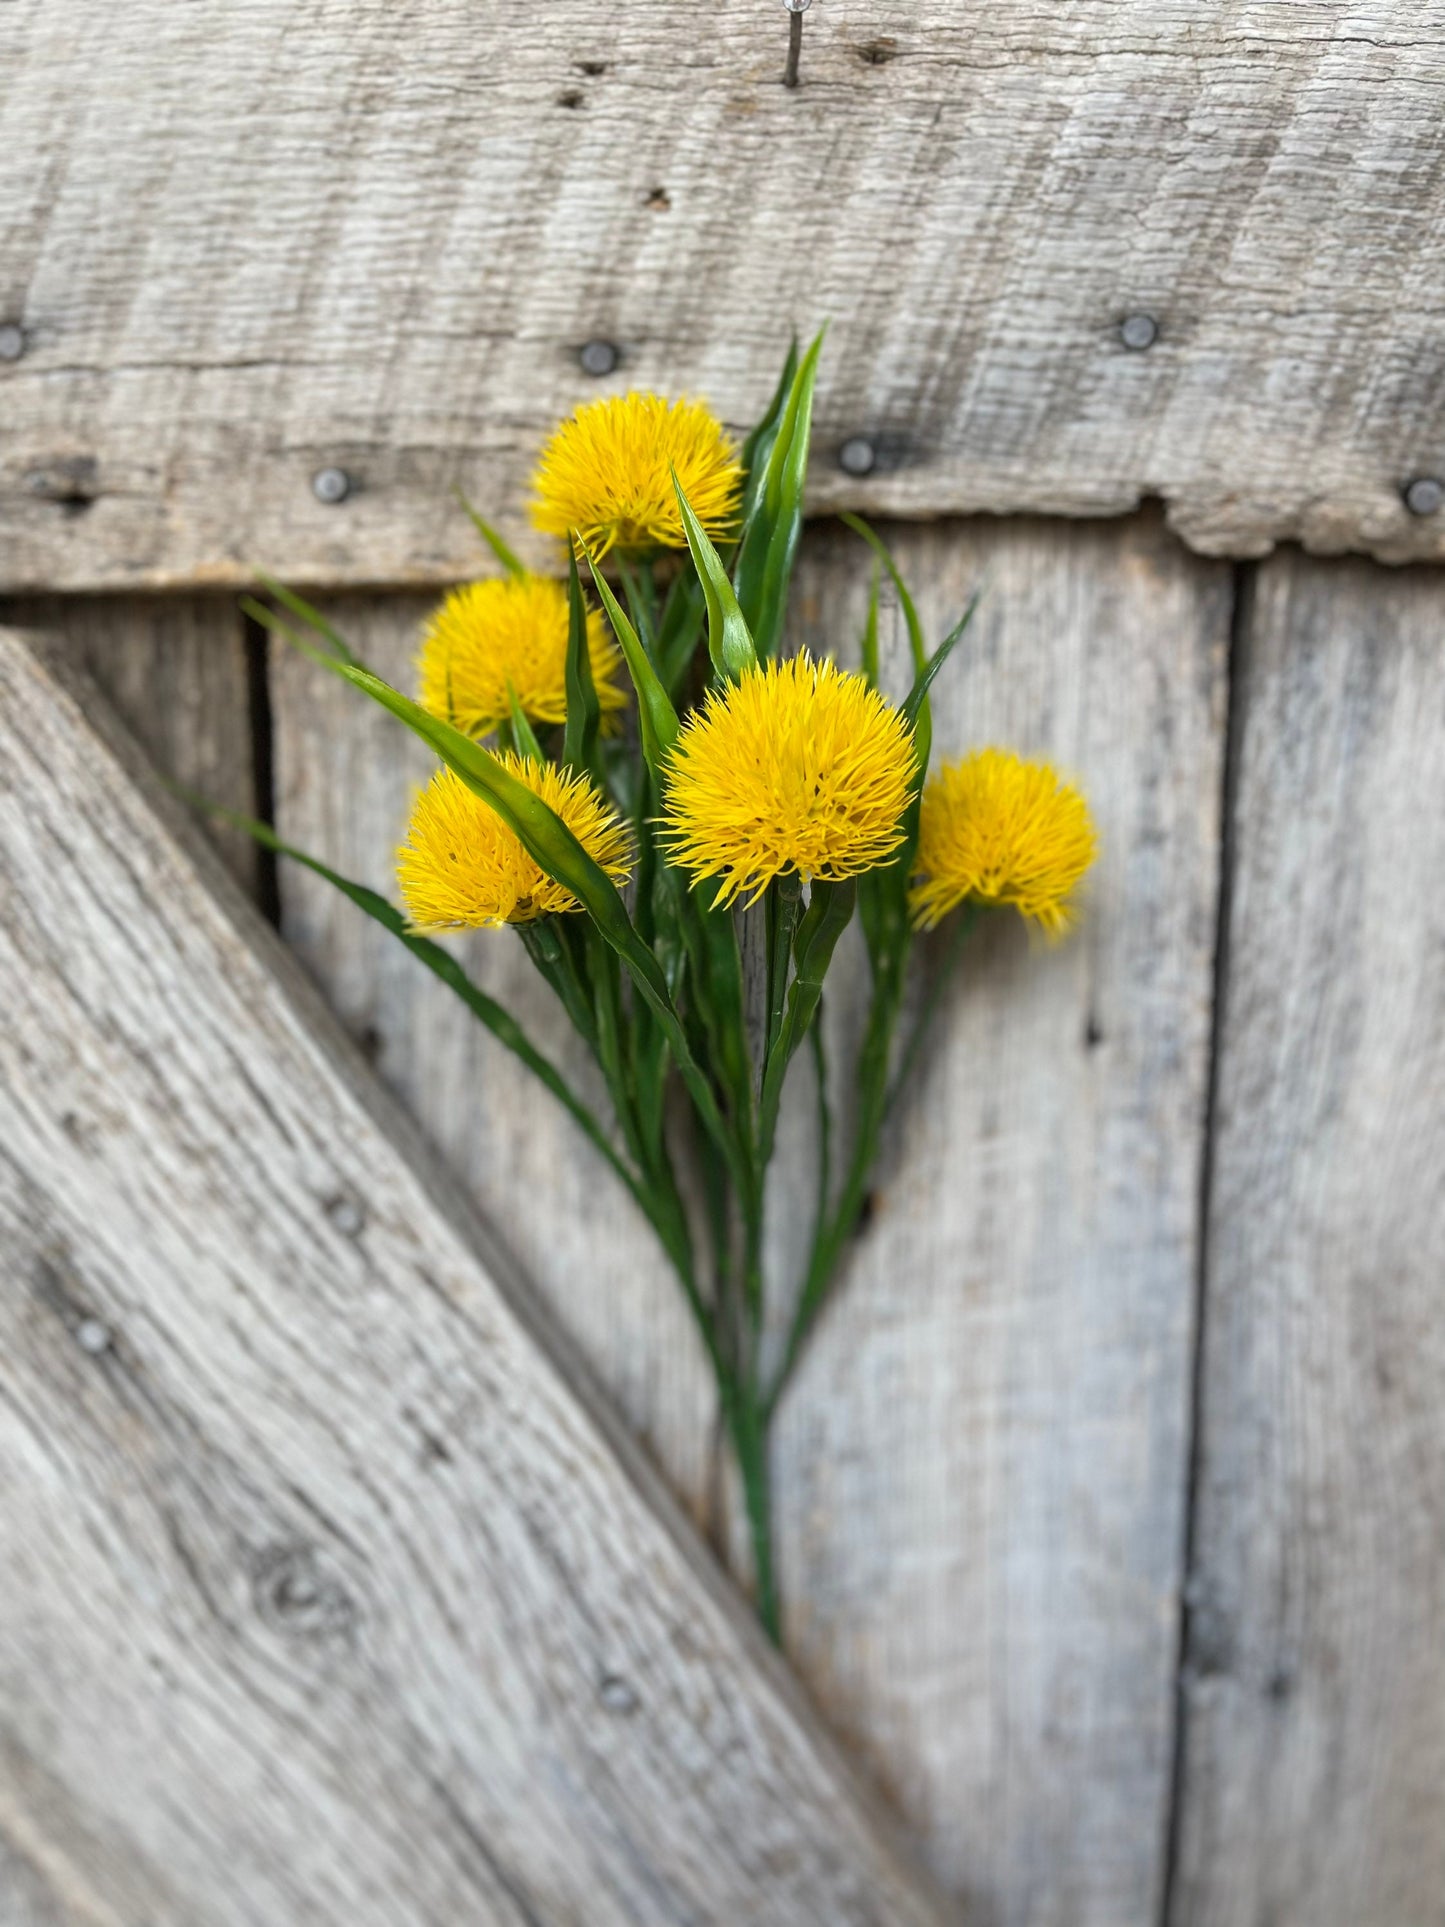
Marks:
<point>442,964</point>
<point>579,739</point>
<point>915,710</point>
<point>759,445</point>
<point>657,719</point>
<point>917,646</point>
<point>729,640</point>
<point>870,629</point>
<point>770,538</point>
<point>507,556</point>
<point>522,733</point>
<point>312,617</point>
<point>830,909</point>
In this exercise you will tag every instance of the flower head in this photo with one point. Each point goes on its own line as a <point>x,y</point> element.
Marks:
<point>1001,830</point>
<point>462,868</point>
<point>796,767</point>
<point>607,474</point>
<point>509,629</point>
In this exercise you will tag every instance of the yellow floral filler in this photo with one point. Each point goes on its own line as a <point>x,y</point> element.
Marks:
<point>512,628</point>
<point>797,767</point>
<point>1001,830</point>
<point>461,868</point>
<point>607,474</point>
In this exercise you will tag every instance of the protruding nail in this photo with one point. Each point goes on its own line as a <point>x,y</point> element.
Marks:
<point>1425,495</point>
<point>796,10</point>
<point>598,357</point>
<point>857,456</point>
<point>93,1336</point>
<point>331,485</point>
<point>1138,331</point>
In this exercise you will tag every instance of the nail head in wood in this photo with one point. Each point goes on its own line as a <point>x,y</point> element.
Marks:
<point>347,1215</point>
<point>12,341</point>
<point>598,357</point>
<point>857,456</point>
<point>1139,331</point>
<point>92,1336</point>
<point>1425,495</point>
<point>616,1695</point>
<point>331,485</point>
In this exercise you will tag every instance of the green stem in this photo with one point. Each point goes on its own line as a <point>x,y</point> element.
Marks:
<point>964,925</point>
<point>749,1424</point>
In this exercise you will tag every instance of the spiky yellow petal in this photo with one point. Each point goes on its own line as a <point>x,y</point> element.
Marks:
<point>797,767</point>
<point>461,868</point>
<point>509,628</point>
<point>1002,830</point>
<point>607,473</point>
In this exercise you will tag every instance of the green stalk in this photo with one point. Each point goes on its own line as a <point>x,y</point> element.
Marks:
<point>749,1425</point>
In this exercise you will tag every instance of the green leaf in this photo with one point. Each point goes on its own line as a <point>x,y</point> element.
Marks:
<point>507,556</point>
<point>579,740</point>
<point>312,617</point>
<point>657,719</point>
<point>829,911</point>
<point>729,640</point>
<point>442,964</point>
<point>759,444</point>
<point>522,736</point>
<point>915,710</point>
<point>678,632</point>
<point>870,630</point>
<point>769,542</point>
<point>918,648</point>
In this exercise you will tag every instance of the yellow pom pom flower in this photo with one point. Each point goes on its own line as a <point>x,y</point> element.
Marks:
<point>1001,830</point>
<point>462,868</point>
<point>797,767</point>
<point>511,628</point>
<point>606,473</point>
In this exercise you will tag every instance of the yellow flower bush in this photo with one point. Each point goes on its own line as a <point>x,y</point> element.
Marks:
<point>798,767</point>
<point>996,829</point>
<point>511,629</point>
<point>758,807</point>
<point>462,868</point>
<point>607,474</point>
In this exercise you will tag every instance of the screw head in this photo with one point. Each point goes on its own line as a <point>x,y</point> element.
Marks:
<point>1138,331</point>
<point>857,456</point>
<point>616,1695</point>
<point>331,485</point>
<point>1425,495</point>
<point>598,357</point>
<point>12,341</point>
<point>92,1336</point>
<point>797,6</point>
<point>347,1215</point>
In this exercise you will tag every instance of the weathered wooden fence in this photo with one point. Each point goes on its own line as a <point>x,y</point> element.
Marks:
<point>1111,1496</point>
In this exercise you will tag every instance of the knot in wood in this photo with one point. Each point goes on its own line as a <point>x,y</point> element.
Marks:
<point>296,1597</point>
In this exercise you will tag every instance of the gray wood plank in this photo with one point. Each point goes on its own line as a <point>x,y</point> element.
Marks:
<point>982,1467</point>
<point>248,246</point>
<point>345,773</point>
<point>1314,1764</point>
<point>175,668</point>
<point>332,1594</point>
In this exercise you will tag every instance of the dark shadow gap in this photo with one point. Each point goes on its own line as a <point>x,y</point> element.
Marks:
<point>1240,613</point>
<point>263,778</point>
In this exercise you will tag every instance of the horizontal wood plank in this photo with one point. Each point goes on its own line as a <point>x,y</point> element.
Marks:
<point>982,1467</point>
<point>248,245</point>
<point>331,1594</point>
<point>1314,1781</point>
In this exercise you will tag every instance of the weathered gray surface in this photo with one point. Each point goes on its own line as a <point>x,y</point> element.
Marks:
<point>1314,1784</point>
<point>981,1475</point>
<point>175,669</point>
<point>982,1468</point>
<point>247,243</point>
<point>345,774</point>
<point>327,1596</point>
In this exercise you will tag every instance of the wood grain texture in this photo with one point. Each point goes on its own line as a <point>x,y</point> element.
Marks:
<point>175,669</point>
<point>982,1467</point>
<point>245,244</point>
<point>329,1596</point>
<point>345,775</point>
<point>1314,1781</point>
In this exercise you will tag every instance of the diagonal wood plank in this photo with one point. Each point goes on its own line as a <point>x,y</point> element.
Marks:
<point>330,1595</point>
<point>982,1467</point>
<point>1314,1762</point>
<point>249,245</point>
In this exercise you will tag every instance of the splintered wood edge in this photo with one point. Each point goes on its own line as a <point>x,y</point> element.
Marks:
<point>885,1854</point>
